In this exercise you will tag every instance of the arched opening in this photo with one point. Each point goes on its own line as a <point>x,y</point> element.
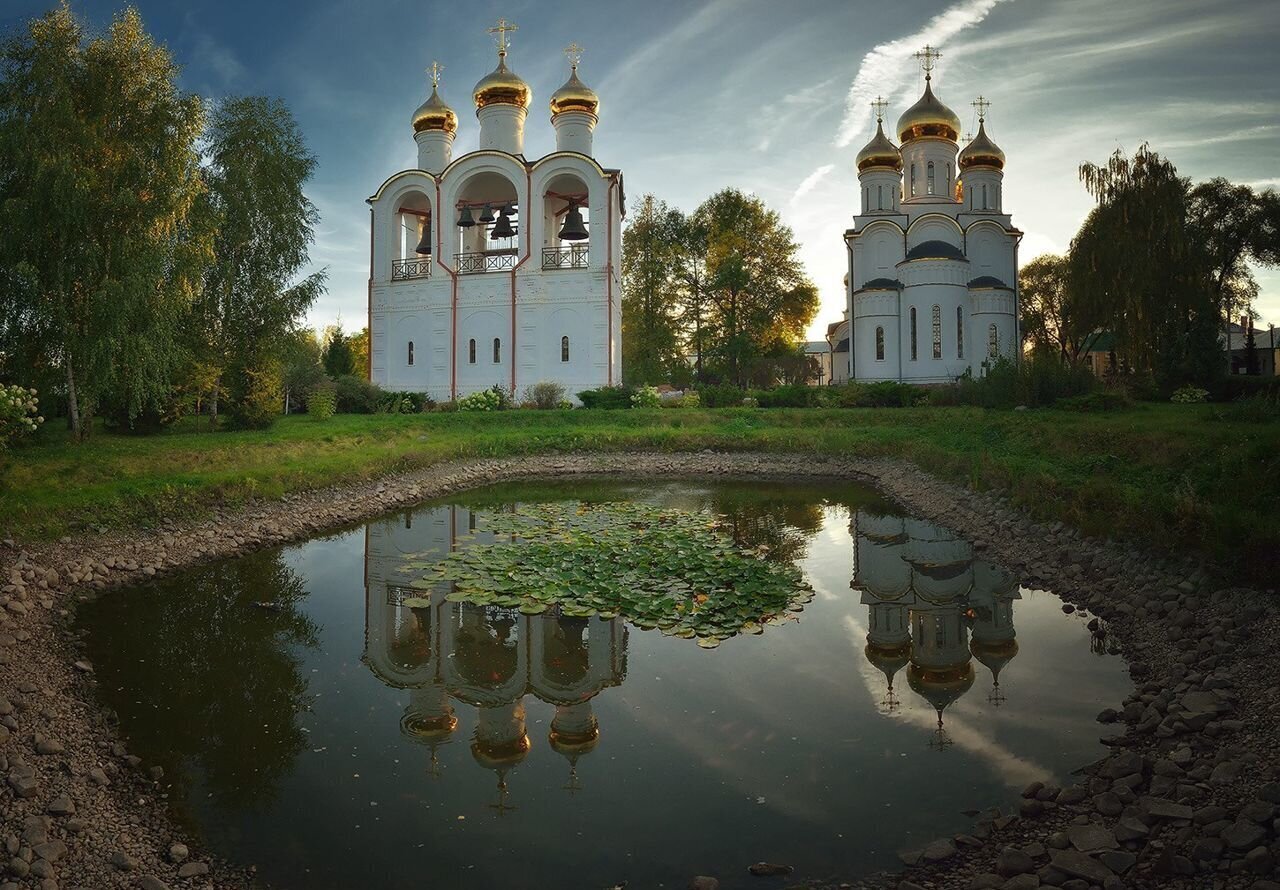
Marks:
<point>487,221</point>
<point>879,344</point>
<point>930,183</point>
<point>564,349</point>
<point>566,223</point>
<point>937,332</point>
<point>993,341</point>
<point>412,237</point>
<point>471,352</point>
<point>959,332</point>
<point>497,350</point>
<point>915,349</point>
<point>410,352</point>
<point>913,180</point>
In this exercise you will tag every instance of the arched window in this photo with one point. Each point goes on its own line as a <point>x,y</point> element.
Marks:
<point>930,181</point>
<point>497,350</point>
<point>411,352</point>
<point>959,332</point>
<point>879,197</point>
<point>948,178</point>
<point>937,332</point>
<point>985,205</point>
<point>471,352</point>
<point>564,349</point>
<point>915,350</point>
<point>879,344</point>
<point>913,180</point>
<point>993,341</point>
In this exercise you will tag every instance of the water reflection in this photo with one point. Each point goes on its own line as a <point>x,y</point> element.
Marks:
<point>483,657</point>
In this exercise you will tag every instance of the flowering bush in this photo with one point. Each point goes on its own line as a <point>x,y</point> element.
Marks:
<point>1190,394</point>
<point>18,417</point>
<point>545,395</point>
<point>749,402</point>
<point>646,397</point>
<point>485,400</point>
<point>690,399</point>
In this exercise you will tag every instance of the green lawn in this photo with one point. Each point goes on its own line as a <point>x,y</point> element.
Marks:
<point>1173,474</point>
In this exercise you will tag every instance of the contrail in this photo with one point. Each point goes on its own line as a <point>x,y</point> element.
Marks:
<point>883,69</point>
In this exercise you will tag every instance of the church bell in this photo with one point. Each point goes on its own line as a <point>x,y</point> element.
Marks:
<point>487,216</point>
<point>465,220</point>
<point>502,229</point>
<point>574,229</point>
<point>424,246</point>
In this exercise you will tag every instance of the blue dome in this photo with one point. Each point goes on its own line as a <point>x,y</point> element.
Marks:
<point>988,281</point>
<point>882,284</point>
<point>935,250</point>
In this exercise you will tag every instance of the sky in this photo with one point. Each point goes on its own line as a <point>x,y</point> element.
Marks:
<point>763,96</point>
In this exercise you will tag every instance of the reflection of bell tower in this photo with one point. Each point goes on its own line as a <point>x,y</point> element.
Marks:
<point>429,719</point>
<point>940,669</point>
<point>994,644</point>
<point>574,732</point>
<point>501,743</point>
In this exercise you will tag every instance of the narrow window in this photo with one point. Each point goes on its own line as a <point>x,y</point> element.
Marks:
<point>984,198</point>
<point>913,180</point>
<point>930,181</point>
<point>408,520</point>
<point>959,332</point>
<point>471,352</point>
<point>471,520</point>
<point>948,177</point>
<point>879,197</point>
<point>411,352</point>
<point>937,332</point>
<point>497,350</point>
<point>564,349</point>
<point>879,344</point>
<point>993,341</point>
<point>915,350</point>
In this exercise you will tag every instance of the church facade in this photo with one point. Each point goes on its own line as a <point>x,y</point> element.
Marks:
<point>933,257</point>
<point>493,269</point>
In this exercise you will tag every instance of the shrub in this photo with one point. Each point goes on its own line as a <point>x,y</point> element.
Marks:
<point>1261,408</point>
<point>646,397</point>
<point>721,395</point>
<point>494,398</point>
<point>607,397</point>
<point>1100,400</point>
<point>795,395</point>
<point>545,395</point>
<point>565,405</point>
<point>261,398</point>
<point>1187,395</point>
<point>890,394</point>
<point>750,402</point>
<point>1234,387</point>
<point>357,395</point>
<point>404,402</point>
<point>19,415</point>
<point>691,399</point>
<point>322,402</point>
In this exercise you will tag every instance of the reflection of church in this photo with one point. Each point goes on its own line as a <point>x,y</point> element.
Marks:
<point>933,609</point>
<point>484,657</point>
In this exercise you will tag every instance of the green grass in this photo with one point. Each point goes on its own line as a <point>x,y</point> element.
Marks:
<point>1178,475</point>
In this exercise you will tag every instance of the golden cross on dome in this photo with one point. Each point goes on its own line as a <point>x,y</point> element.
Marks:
<point>879,104</point>
<point>435,71</point>
<point>501,30</point>
<point>927,57</point>
<point>573,53</point>
<point>982,105</point>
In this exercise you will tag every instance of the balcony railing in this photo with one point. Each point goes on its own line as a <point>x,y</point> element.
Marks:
<point>403,270</point>
<point>573,257</point>
<point>486,261</point>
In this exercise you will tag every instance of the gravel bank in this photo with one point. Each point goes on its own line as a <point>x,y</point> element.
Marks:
<point>1188,798</point>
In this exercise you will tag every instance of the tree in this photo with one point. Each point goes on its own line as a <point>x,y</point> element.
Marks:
<point>258,165</point>
<point>759,298</point>
<point>650,301</point>
<point>337,357</point>
<point>1053,318</point>
<point>302,369</point>
<point>359,343</point>
<point>100,235</point>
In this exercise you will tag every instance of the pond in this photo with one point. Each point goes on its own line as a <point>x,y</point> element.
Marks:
<point>328,715</point>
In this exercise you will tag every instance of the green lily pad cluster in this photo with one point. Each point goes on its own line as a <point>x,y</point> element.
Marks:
<point>658,568</point>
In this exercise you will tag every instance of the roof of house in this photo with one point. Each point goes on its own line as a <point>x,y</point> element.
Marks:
<point>816,347</point>
<point>1099,341</point>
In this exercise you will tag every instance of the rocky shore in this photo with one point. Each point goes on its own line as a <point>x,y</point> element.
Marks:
<point>1188,798</point>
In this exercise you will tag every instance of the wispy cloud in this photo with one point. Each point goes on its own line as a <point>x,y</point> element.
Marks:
<point>810,182</point>
<point>885,68</point>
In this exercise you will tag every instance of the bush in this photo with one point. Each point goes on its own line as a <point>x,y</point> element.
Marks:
<point>1101,400</point>
<point>1234,387</point>
<point>1038,381</point>
<point>721,395</point>
<point>404,402</point>
<point>750,402</point>
<point>19,415</point>
<point>322,402</point>
<point>261,398</point>
<point>357,395</point>
<point>646,397</point>
<point>1261,408</point>
<point>545,395</point>
<point>495,398</point>
<point>1187,395</point>
<point>795,395</point>
<point>690,399</point>
<point>890,394</point>
<point>607,397</point>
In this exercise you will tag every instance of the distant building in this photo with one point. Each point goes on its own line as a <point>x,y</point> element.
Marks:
<point>1266,346</point>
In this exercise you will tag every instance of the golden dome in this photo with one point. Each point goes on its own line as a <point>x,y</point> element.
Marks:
<point>427,728</point>
<point>566,742</point>
<point>994,654</point>
<point>502,86</point>
<point>888,659</point>
<point>575,96</point>
<point>940,686</point>
<point>496,755</point>
<point>928,117</point>
<point>879,152</point>
<point>981,151</point>
<point>434,114</point>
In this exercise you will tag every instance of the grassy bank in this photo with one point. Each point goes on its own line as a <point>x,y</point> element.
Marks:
<point>1173,474</point>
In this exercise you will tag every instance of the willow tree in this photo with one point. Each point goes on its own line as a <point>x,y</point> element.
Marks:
<point>760,299</point>
<point>99,234</point>
<point>1054,319</point>
<point>254,293</point>
<point>650,293</point>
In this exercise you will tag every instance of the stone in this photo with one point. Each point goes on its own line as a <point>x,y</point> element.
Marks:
<point>1078,865</point>
<point>1125,763</point>
<point>61,805</point>
<point>1091,838</point>
<point>1258,811</point>
<point>1162,808</point>
<point>1072,794</point>
<point>701,882</point>
<point>150,882</point>
<point>50,851</point>
<point>1119,861</point>
<point>123,861</point>
<point>1013,861</point>
<point>1169,863</point>
<point>178,853</point>
<point>191,869</point>
<point>98,776</point>
<point>1021,882</point>
<point>1207,814</point>
<point>1108,804</point>
<point>49,746</point>
<point>939,850</point>
<point>760,869</point>
<point>1244,835</point>
<point>1207,849</point>
<point>1259,860</point>
<point>985,881</point>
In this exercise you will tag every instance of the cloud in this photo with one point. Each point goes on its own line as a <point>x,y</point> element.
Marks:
<point>885,68</point>
<point>810,182</point>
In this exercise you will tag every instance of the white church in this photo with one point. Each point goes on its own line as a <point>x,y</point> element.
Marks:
<point>933,257</point>
<point>493,269</point>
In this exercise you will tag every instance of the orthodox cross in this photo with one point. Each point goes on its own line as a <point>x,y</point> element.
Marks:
<point>435,71</point>
<point>982,105</point>
<point>879,104</point>
<point>573,53</point>
<point>927,57</point>
<point>501,30</point>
